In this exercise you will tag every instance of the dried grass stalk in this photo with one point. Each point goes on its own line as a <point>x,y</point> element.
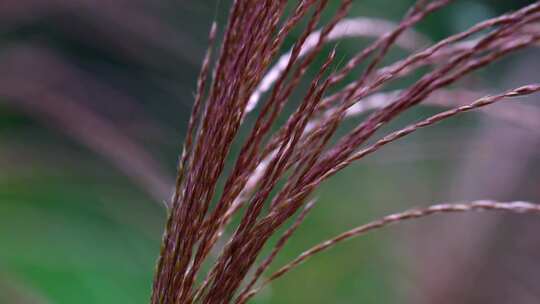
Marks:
<point>280,166</point>
<point>396,218</point>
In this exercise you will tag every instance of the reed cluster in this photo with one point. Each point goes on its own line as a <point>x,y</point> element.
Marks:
<point>281,165</point>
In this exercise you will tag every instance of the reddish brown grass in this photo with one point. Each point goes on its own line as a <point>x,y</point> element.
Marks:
<point>304,151</point>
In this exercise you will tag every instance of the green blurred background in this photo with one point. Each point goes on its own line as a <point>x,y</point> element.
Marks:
<point>94,101</point>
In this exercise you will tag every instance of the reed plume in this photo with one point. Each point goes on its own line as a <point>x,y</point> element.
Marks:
<point>280,166</point>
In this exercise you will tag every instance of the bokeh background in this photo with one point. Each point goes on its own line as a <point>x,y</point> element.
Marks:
<point>95,97</point>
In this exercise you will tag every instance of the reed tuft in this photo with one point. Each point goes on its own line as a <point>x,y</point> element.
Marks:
<point>281,165</point>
